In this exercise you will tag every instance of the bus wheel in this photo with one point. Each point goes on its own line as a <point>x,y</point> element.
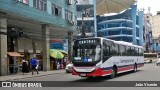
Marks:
<point>113,73</point>
<point>135,67</point>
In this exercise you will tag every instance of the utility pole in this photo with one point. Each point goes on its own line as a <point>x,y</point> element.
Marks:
<point>34,46</point>
<point>83,28</point>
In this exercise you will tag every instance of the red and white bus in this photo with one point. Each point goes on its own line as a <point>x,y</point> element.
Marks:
<point>101,57</point>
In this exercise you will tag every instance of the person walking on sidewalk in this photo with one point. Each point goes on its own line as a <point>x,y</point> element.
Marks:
<point>24,66</point>
<point>34,64</point>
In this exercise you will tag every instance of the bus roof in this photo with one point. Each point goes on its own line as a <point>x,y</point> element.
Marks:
<point>126,43</point>
<point>118,42</point>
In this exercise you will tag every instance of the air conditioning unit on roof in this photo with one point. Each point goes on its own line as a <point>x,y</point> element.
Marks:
<point>69,2</point>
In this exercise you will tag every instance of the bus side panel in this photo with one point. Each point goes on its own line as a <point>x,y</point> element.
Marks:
<point>123,63</point>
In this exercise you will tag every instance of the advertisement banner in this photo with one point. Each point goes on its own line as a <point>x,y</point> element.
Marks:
<point>59,44</point>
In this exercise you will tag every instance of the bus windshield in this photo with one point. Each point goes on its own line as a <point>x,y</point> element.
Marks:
<point>87,52</point>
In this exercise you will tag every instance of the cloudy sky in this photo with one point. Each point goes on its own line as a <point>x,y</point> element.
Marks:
<point>153,4</point>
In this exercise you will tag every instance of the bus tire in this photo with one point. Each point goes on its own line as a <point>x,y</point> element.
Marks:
<point>113,72</point>
<point>135,68</point>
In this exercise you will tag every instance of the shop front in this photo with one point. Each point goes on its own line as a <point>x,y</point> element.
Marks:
<point>58,50</point>
<point>57,59</point>
<point>14,62</point>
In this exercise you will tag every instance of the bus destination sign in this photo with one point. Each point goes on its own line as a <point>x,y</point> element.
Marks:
<point>87,41</point>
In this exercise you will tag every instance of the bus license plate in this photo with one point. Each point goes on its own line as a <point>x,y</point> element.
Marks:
<point>83,74</point>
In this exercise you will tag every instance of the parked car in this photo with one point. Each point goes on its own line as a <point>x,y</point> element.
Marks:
<point>158,62</point>
<point>69,68</point>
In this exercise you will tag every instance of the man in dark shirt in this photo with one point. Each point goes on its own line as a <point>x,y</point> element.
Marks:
<point>34,64</point>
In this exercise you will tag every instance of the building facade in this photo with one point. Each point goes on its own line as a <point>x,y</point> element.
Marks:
<point>126,26</point>
<point>28,26</point>
<point>147,34</point>
<point>154,20</point>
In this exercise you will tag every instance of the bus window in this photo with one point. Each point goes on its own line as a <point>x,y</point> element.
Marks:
<point>140,52</point>
<point>128,51</point>
<point>149,57</point>
<point>132,51</point>
<point>136,51</point>
<point>114,50</point>
<point>106,51</point>
<point>119,50</point>
<point>122,50</point>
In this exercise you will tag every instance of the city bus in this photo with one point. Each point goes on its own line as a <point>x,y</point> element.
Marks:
<point>150,57</point>
<point>93,57</point>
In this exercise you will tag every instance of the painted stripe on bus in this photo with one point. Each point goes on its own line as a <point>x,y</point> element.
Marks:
<point>108,70</point>
<point>125,67</point>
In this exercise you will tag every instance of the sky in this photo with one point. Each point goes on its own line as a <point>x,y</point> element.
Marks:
<point>153,4</point>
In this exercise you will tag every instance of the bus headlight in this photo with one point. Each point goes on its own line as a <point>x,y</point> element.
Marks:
<point>96,67</point>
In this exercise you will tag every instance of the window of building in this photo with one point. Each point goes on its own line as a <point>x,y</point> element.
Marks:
<point>70,2</point>
<point>56,10</point>
<point>24,1</point>
<point>138,42</point>
<point>40,4</point>
<point>137,20</point>
<point>137,32</point>
<point>68,15</point>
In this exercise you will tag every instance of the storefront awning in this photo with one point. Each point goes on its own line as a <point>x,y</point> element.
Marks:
<point>15,54</point>
<point>64,52</point>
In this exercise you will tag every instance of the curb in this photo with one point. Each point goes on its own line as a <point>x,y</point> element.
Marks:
<point>153,62</point>
<point>31,76</point>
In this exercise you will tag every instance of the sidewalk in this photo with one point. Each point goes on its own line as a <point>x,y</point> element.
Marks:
<point>29,75</point>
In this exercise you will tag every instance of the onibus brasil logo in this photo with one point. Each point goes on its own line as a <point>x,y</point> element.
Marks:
<point>21,84</point>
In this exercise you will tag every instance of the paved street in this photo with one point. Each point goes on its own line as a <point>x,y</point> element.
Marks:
<point>150,72</point>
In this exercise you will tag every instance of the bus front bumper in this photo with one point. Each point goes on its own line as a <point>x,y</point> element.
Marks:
<point>97,72</point>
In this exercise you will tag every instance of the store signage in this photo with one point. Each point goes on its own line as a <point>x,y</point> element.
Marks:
<point>57,44</point>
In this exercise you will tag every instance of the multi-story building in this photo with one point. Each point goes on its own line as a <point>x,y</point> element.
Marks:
<point>27,26</point>
<point>126,26</point>
<point>85,17</point>
<point>154,20</point>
